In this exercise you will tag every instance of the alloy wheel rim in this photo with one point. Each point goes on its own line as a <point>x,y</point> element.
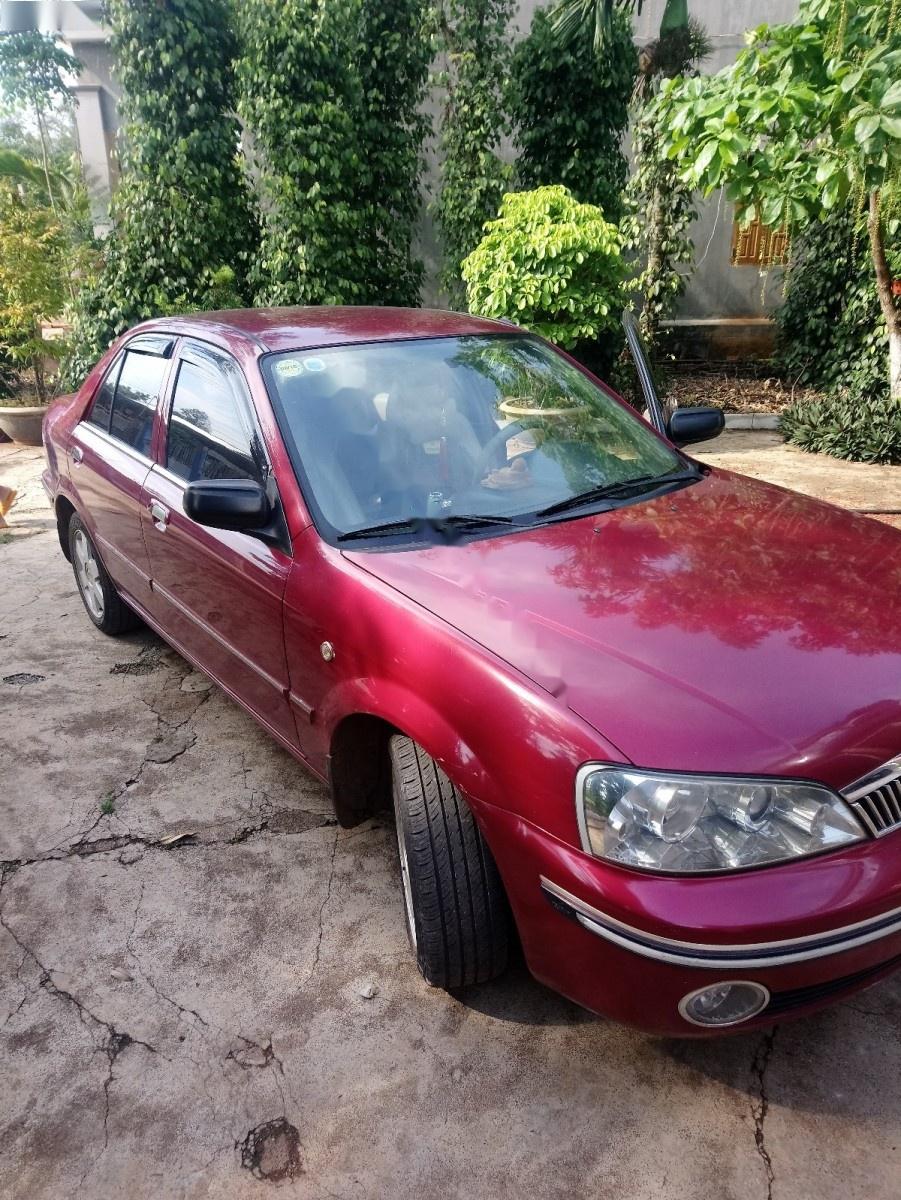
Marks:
<point>405,875</point>
<point>87,573</point>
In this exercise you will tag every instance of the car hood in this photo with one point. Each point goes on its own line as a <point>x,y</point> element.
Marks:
<point>730,626</point>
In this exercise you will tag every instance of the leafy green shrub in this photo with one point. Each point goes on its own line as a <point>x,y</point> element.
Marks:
<point>859,427</point>
<point>831,331</point>
<point>569,107</point>
<point>551,264</point>
<point>473,37</point>
<point>182,209</point>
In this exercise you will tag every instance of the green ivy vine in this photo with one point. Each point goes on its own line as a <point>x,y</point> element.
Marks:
<point>298,94</point>
<point>330,94</point>
<point>570,106</point>
<point>182,212</point>
<point>397,46</point>
<point>659,205</point>
<point>473,37</point>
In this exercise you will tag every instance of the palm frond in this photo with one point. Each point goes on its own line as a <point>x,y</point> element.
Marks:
<point>15,166</point>
<point>575,19</point>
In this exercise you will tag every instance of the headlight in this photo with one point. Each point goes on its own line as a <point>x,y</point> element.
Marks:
<point>685,823</point>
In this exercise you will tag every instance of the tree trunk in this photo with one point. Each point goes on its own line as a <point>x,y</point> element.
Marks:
<point>45,158</point>
<point>884,288</point>
<point>37,366</point>
<point>45,161</point>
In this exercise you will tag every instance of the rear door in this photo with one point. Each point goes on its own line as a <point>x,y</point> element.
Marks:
<point>218,593</point>
<point>110,456</point>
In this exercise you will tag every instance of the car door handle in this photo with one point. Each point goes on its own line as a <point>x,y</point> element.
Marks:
<point>77,454</point>
<point>160,515</point>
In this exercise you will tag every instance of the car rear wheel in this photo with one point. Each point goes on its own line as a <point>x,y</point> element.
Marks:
<point>457,915</point>
<point>104,605</point>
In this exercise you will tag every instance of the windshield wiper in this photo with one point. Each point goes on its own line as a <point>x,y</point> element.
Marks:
<point>616,491</point>
<point>447,526</point>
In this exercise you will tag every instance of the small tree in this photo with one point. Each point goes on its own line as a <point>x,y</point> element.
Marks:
<point>570,107</point>
<point>182,210</point>
<point>551,264</point>
<point>32,281</point>
<point>33,68</point>
<point>473,35</point>
<point>809,115</point>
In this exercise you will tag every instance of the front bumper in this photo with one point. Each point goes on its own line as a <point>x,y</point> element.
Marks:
<point>631,946</point>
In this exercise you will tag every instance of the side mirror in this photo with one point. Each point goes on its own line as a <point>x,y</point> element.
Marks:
<point>238,504</point>
<point>688,425</point>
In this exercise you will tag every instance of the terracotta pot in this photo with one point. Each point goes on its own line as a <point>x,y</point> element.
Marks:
<point>23,425</point>
<point>514,407</point>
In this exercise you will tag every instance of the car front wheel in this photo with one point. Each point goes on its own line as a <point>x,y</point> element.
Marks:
<point>457,915</point>
<point>104,605</point>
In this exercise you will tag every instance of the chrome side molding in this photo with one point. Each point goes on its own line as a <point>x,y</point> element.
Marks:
<point>717,957</point>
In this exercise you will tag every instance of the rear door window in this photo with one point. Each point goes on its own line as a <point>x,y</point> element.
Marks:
<point>102,406</point>
<point>135,399</point>
<point>211,434</point>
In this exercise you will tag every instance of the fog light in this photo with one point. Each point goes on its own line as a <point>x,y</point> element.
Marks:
<point>724,1003</point>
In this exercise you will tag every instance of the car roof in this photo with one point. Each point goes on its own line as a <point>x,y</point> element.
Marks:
<point>302,328</point>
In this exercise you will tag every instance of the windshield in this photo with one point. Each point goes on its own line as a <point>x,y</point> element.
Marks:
<point>491,426</point>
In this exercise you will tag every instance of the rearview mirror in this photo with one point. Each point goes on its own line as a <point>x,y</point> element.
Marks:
<point>688,425</point>
<point>237,504</point>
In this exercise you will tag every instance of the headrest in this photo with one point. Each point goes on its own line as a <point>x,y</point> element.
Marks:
<point>421,413</point>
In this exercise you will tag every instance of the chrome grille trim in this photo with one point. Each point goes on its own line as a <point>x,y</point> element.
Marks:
<point>876,798</point>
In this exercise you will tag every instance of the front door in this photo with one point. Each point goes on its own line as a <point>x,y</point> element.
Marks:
<point>110,457</point>
<point>218,594</point>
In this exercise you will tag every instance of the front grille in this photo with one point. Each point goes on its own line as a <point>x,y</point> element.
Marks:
<point>782,1002</point>
<point>877,798</point>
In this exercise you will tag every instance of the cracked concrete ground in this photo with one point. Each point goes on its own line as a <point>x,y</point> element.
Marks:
<point>206,991</point>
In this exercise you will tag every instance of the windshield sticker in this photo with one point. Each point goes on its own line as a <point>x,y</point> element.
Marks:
<point>315,365</point>
<point>289,367</point>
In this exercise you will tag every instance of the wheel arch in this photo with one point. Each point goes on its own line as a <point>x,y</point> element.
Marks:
<point>359,769</point>
<point>65,510</point>
<point>358,766</point>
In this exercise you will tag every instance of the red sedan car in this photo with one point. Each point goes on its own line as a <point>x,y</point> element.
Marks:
<point>645,713</point>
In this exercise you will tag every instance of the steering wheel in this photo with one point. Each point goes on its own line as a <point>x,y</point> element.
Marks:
<point>485,461</point>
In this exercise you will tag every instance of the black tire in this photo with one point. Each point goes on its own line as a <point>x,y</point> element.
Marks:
<point>458,920</point>
<point>102,602</point>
